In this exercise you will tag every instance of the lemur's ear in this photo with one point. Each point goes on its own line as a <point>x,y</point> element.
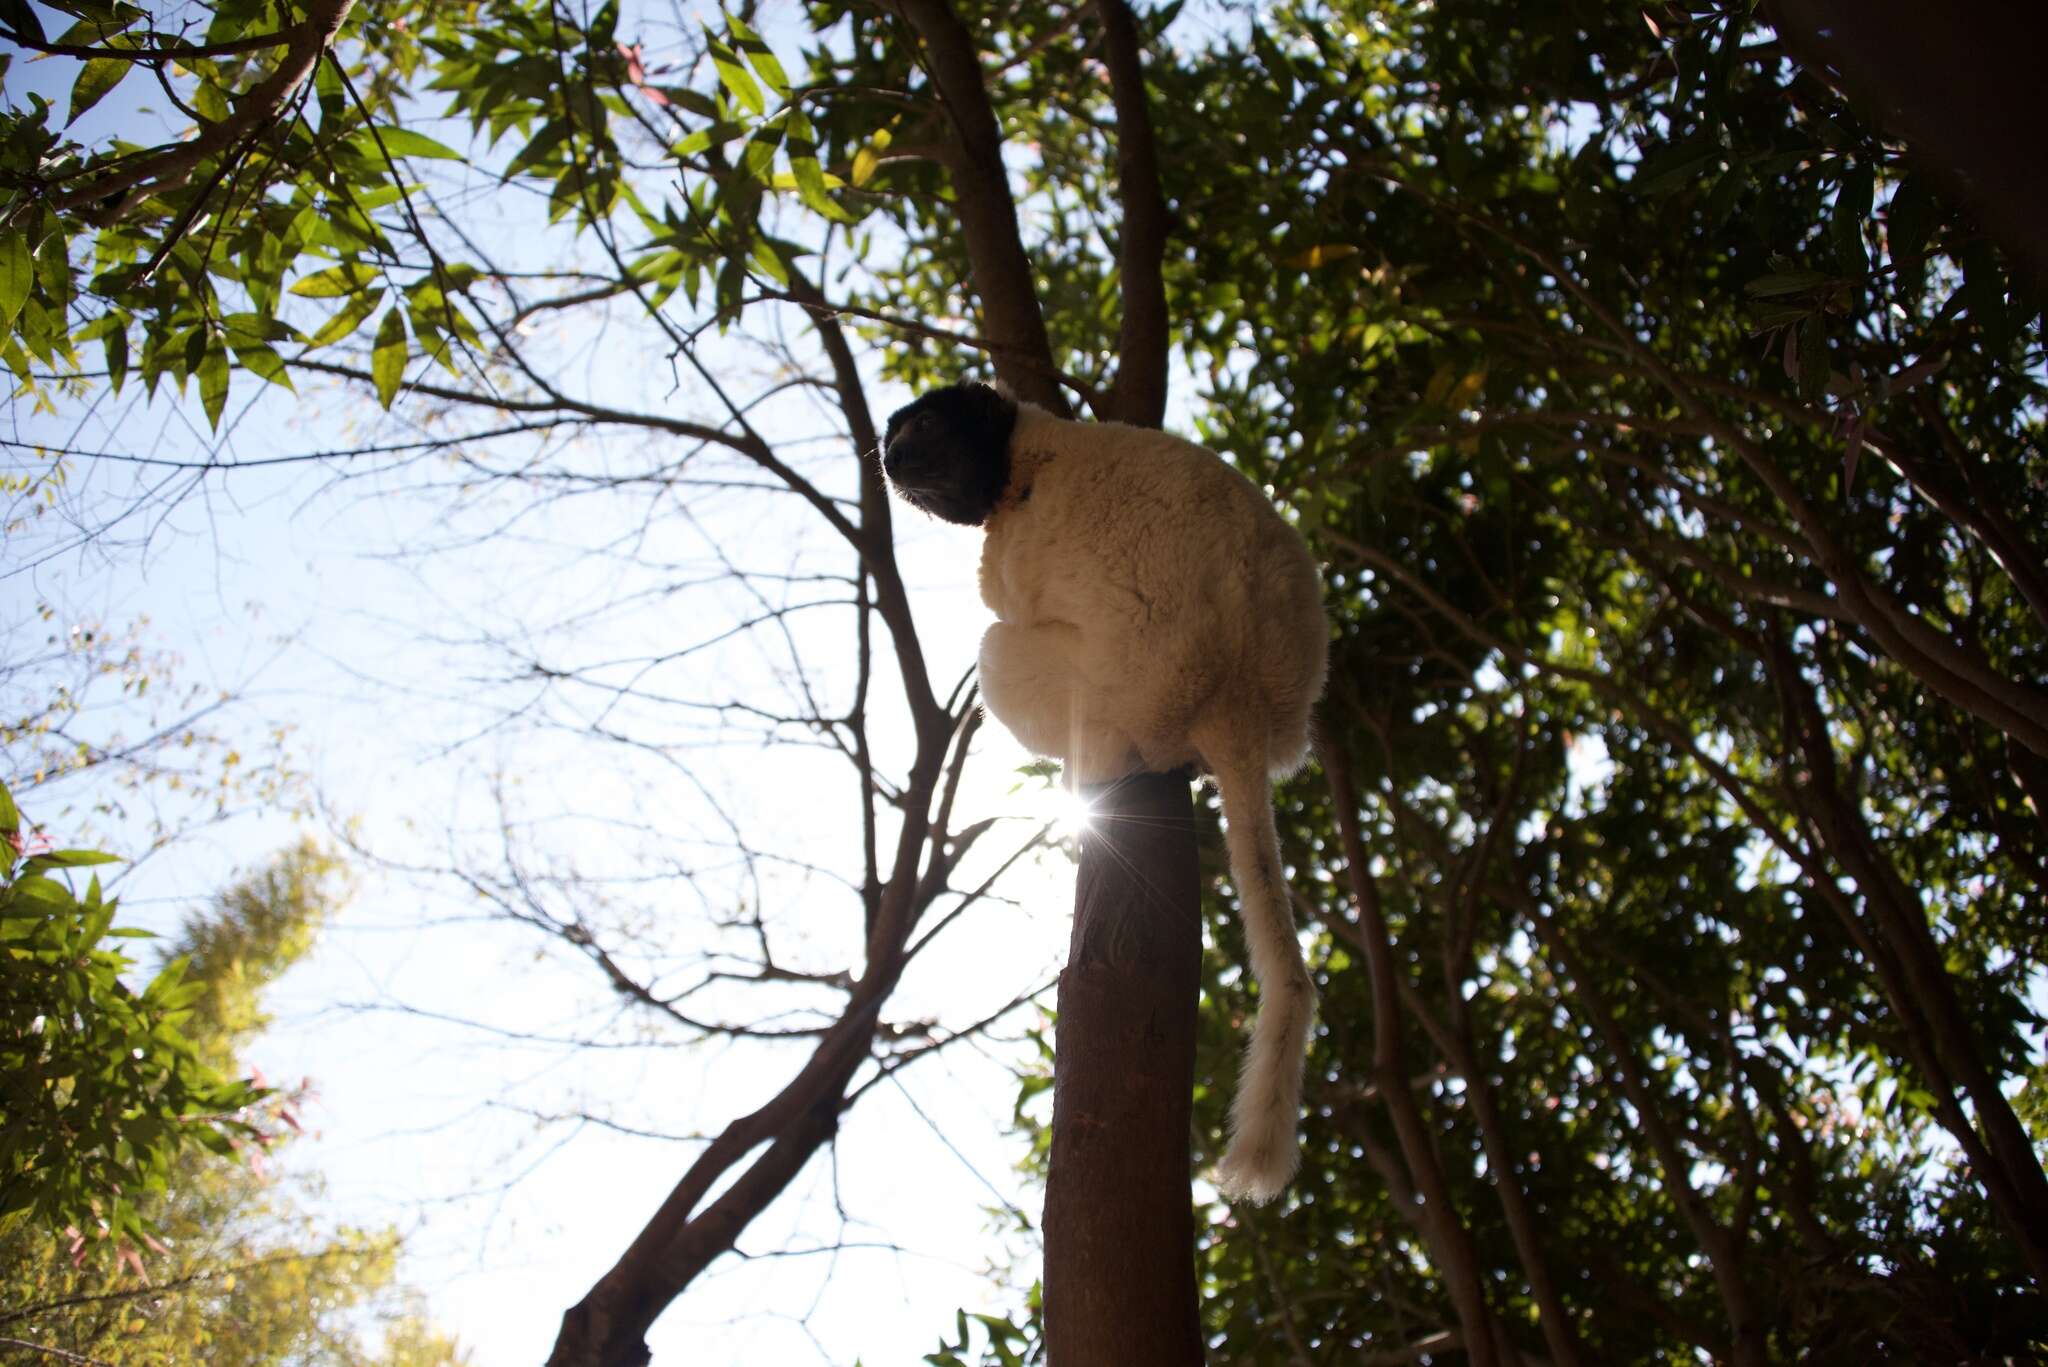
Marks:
<point>996,403</point>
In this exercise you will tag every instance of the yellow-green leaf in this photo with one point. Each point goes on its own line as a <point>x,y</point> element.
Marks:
<point>759,154</point>
<point>17,359</point>
<point>1439,386</point>
<point>401,142</point>
<point>261,359</point>
<point>17,274</point>
<point>810,185</point>
<point>100,75</point>
<point>115,339</point>
<point>349,319</point>
<point>335,281</point>
<point>864,163</point>
<point>211,102</point>
<point>1321,255</point>
<point>764,256</point>
<point>734,77</point>
<point>387,358</point>
<point>761,57</point>
<point>704,139</point>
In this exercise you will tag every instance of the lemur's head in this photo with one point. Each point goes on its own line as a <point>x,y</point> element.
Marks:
<point>949,452</point>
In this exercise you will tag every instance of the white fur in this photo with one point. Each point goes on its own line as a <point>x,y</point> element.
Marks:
<point>1155,611</point>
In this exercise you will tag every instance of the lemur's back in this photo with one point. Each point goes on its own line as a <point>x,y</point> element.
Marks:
<point>1190,593</point>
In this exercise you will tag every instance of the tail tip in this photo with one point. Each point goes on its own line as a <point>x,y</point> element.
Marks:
<point>1256,1172</point>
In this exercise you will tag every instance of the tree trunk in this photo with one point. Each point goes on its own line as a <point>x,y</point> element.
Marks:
<point>1119,1218</point>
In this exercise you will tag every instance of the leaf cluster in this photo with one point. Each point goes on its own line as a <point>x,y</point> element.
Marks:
<point>103,1088</point>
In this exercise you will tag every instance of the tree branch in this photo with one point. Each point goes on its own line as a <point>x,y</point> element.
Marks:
<point>170,167</point>
<point>988,212</point>
<point>1138,394</point>
<point>1450,1243</point>
<point>876,541</point>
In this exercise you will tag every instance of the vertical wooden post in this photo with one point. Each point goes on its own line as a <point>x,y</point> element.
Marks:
<point>1119,1218</point>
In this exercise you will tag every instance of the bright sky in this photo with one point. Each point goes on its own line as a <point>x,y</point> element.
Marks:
<point>282,584</point>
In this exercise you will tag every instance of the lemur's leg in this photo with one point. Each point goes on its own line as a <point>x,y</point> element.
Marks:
<point>1030,682</point>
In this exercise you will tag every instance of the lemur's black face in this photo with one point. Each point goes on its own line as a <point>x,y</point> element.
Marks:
<point>949,452</point>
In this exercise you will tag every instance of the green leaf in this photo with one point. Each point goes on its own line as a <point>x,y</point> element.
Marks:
<point>1909,220</point>
<point>810,185</point>
<point>41,331</point>
<point>759,154</point>
<point>734,77</point>
<point>726,289</point>
<point>212,102</point>
<point>116,343</point>
<point>245,329</point>
<point>349,319</point>
<point>1813,360</point>
<point>346,278</point>
<point>20,17</point>
<point>104,23</point>
<point>78,859</point>
<point>1771,317</point>
<point>261,359</point>
<point>213,381</point>
<point>541,147</point>
<point>764,256</point>
<point>1852,210</point>
<point>100,75</point>
<point>17,274</point>
<point>1727,190</point>
<point>1679,164</point>
<point>36,897</point>
<point>401,142</point>
<point>387,359</point>
<point>97,921</point>
<point>693,101</point>
<point>53,262</point>
<point>1783,282</point>
<point>706,138</point>
<point>760,56</point>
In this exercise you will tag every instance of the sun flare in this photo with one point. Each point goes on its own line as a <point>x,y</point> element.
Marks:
<point>1072,813</point>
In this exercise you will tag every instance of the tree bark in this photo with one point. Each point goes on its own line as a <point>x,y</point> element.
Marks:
<point>1119,1224</point>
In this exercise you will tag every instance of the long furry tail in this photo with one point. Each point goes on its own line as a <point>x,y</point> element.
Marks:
<point>1263,1150</point>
